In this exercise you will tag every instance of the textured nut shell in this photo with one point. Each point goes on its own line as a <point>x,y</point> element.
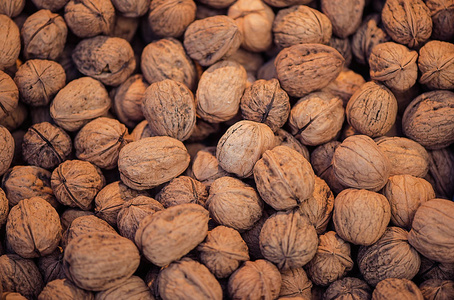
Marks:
<point>4,208</point>
<point>436,64</point>
<point>304,68</point>
<point>53,5</point>
<point>434,270</point>
<point>170,18</point>
<point>283,138</point>
<point>134,289</point>
<point>167,235</point>
<point>295,284</point>
<point>51,266</point>
<point>11,45</point>
<point>284,3</point>
<point>151,161</point>
<point>84,225</point>
<point>6,149</point>
<point>125,27</point>
<point>348,288</point>
<point>70,214</point>
<point>343,46</point>
<point>390,257</point>
<point>127,100</point>
<point>131,9</point>
<point>431,230</point>
<point>9,93</point>
<point>205,166</point>
<point>395,288</point>
<point>345,85</point>
<point>12,8</point>
<point>64,289</point>
<point>284,178</point>
<point>360,216</point>
<point>345,16</point>
<point>436,289</point>
<point>441,172</point>
<point>217,3</point>
<point>181,190</point>
<point>441,12</point>
<point>15,118</point>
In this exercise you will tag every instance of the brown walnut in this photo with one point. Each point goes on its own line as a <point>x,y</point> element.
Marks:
<point>345,85</point>
<point>395,288</point>
<point>6,149</point>
<point>64,289</point>
<point>134,289</point>
<point>9,94</point>
<point>11,45</point>
<point>170,18</point>
<point>442,13</point>
<point>84,225</point>
<point>348,288</point>
<point>436,65</point>
<point>345,16</point>
<point>295,284</point>
<point>12,8</point>
<point>436,289</point>
<point>131,9</point>
<point>183,189</point>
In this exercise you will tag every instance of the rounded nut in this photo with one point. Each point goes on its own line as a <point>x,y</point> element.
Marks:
<point>396,288</point>
<point>436,65</point>
<point>11,46</point>
<point>9,93</point>
<point>6,149</point>
<point>170,18</point>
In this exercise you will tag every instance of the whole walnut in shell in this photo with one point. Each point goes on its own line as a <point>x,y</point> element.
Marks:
<point>217,3</point>
<point>348,288</point>
<point>360,216</point>
<point>441,172</point>
<point>205,166</point>
<point>183,189</point>
<point>345,85</point>
<point>343,46</point>
<point>9,94</point>
<point>284,3</point>
<point>70,214</point>
<point>134,289</point>
<point>436,289</point>
<point>345,16</point>
<point>52,5</point>
<point>4,208</point>
<point>6,149</point>
<point>442,13</point>
<point>170,18</point>
<point>84,225</point>
<point>51,265</point>
<point>436,65</point>
<point>12,8</point>
<point>11,45</point>
<point>15,118</point>
<point>131,9</point>
<point>431,269</point>
<point>125,28</point>
<point>295,284</point>
<point>397,289</point>
<point>283,138</point>
<point>64,289</point>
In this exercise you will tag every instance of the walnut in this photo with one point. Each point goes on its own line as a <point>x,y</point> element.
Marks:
<point>169,234</point>
<point>441,172</point>
<point>222,251</point>
<point>331,261</point>
<point>251,61</point>
<point>53,5</point>
<point>210,39</point>
<point>181,190</point>
<point>321,161</point>
<point>152,161</point>
<point>436,65</point>
<point>65,60</point>
<point>429,119</point>
<point>44,35</point>
<point>316,118</point>
<point>437,289</point>
<point>295,284</point>
<point>131,9</point>
<point>205,166</point>
<point>79,102</point>
<point>6,149</point>
<point>267,71</point>
<point>252,237</point>
<point>408,22</point>
<point>167,59</point>
<point>434,270</point>
<point>141,131</point>
<point>109,59</point>
<point>233,203</point>
<point>345,85</point>
<point>283,138</point>
<point>20,275</point>
<point>255,280</point>
<point>70,214</point>
<point>64,289</point>
<point>348,288</point>
<point>125,27</point>
<point>33,228</point>
<point>46,145</point>
<point>84,225</point>
<point>10,48</point>
<point>170,18</point>
<point>12,8</point>
<point>133,288</point>
<point>242,145</point>
<point>395,288</point>
<point>217,3</point>
<point>127,100</point>
<point>13,296</point>
<point>9,94</point>
<point>88,18</point>
<point>442,14</point>
<point>431,230</point>
<point>4,208</point>
<point>304,68</point>
<point>360,216</point>
<point>220,90</point>
<point>345,16</point>
<point>390,257</point>
<point>75,183</point>
<point>98,261</point>
<point>51,265</point>
<point>343,46</point>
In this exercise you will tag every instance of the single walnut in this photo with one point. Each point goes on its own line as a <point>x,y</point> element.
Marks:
<point>435,270</point>
<point>46,145</point>
<point>133,288</point>
<point>51,266</point>
<point>252,237</point>
<point>15,118</point>
<point>52,5</point>
<point>343,46</point>
<point>98,261</point>
<point>436,65</point>
<point>169,234</point>
<point>267,71</point>
<point>88,18</point>
<point>398,259</point>
<point>431,230</point>
<point>437,289</point>
<point>141,131</point>
<point>255,280</point>
<point>127,100</point>
<point>205,166</point>
<point>130,9</point>
<point>399,18</point>
<point>442,14</point>
<point>395,288</point>
<point>9,94</point>
<point>316,118</point>
<point>345,16</point>
<point>76,183</point>
<point>4,208</point>
<point>283,138</point>
<point>233,203</point>
<point>345,85</point>
<point>348,288</point>
<point>181,190</point>
<point>70,214</point>
<point>441,172</point>
<point>304,68</point>
<point>429,119</point>
<point>360,216</point>
<point>125,27</point>
<point>6,149</point>
<point>12,8</point>
<point>79,102</point>
<point>295,284</point>
<point>13,296</point>
<point>210,39</point>
<point>84,225</point>
<point>217,3</point>
<point>64,289</point>
<point>11,45</point>
<point>170,18</point>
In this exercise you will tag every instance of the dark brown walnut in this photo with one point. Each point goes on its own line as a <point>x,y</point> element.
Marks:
<point>395,288</point>
<point>4,208</point>
<point>217,3</point>
<point>171,18</point>
<point>220,90</point>
<point>408,22</point>
<point>267,71</point>
<point>429,119</point>
<point>394,65</point>
<point>12,8</point>
<point>167,59</point>
<point>255,280</point>
<point>288,240</point>
<point>100,142</point>
<point>64,289</point>
<point>345,85</point>
<point>133,211</point>
<point>295,284</point>
<point>130,9</point>
<point>265,102</point>
<point>11,45</point>
<point>85,225</point>
<point>152,161</point>
<point>345,16</point>
<point>283,138</point>
<point>9,94</point>
<point>304,68</point>
<point>151,280</point>
<point>134,289</point>
<point>127,100</point>
<point>316,118</point>
<point>223,251</point>
<point>284,178</point>
<point>6,149</point>
<point>125,27</point>
<point>79,102</point>
<point>252,237</point>
<point>183,189</point>
<point>436,289</point>
<point>33,228</point>
<point>405,194</point>
<point>169,234</point>
<point>442,13</point>
<point>44,35</point>
<point>75,183</point>
<point>234,204</point>
<point>98,261</point>
<point>52,5</point>
<point>242,145</point>
<point>204,11</point>
<point>209,40</point>
<point>175,118</point>
<point>88,18</point>
<point>434,270</point>
<point>46,145</point>
<point>360,216</point>
<point>205,166</point>
<point>109,59</point>
<point>331,261</point>
<point>20,275</point>
<point>15,118</point>
<point>348,288</point>
<point>18,136</point>
<point>390,257</point>
<point>70,214</point>
<point>437,65</point>
<point>51,265</point>
<point>431,230</point>
<point>441,172</point>
<point>285,3</point>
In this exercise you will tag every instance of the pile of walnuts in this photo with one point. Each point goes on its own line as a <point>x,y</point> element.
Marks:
<point>226,149</point>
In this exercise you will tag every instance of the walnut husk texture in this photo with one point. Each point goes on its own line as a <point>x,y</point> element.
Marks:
<point>170,18</point>
<point>395,288</point>
<point>348,288</point>
<point>436,65</point>
<point>183,189</point>
<point>436,289</point>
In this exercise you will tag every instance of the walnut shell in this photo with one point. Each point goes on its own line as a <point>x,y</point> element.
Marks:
<point>70,214</point>
<point>15,118</point>
<point>4,208</point>
<point>152,161</point>
<point>183,189</point>
<point>98,261</point>
<point>11,45</point>
<point>434,270</point>
<point>442,13</point>
<point>52,5</point>
<point>170,18</point>
<point>360,216</point>
<point>285,3</point>
<point>345,85</point>
<point>134,289</point>
<point>205,166</point>
<point>395,288</point>
<point>13,296</point>
<point>283,138</point>
<point>125,28</point>
<point>304,68</point>
<point>9,93</point>
<point>6,149</point>
<point>131,9</point>
<point>345,16</point>
<point>64,289</point>
<point>321,161</point>
<point>217,3</point>
<point>348,288</point>
<point>436,65</point>
<point>84,225</point>
<point>441,172</point>
<point>436,289</point>
<point>252,237</point>
<point>12,8</point>
<point>295,284</point>
<point>51,266</point>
